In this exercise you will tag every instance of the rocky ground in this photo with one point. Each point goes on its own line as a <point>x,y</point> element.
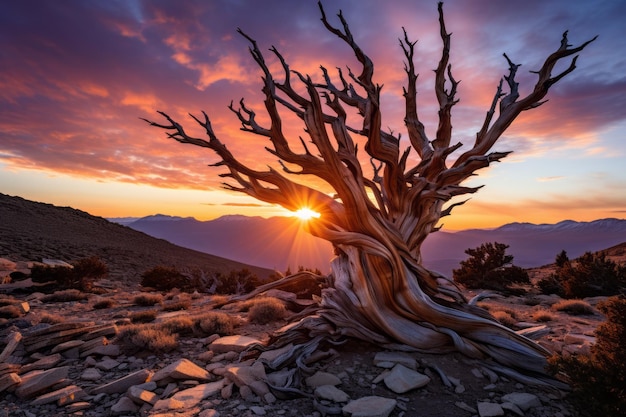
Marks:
<point>63,358</point>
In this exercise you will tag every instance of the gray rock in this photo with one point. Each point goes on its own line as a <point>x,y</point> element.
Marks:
<point>182,369</point>
<point>259,411</point>
<point>402,379</point>
<point>91,374</point>
<point>37,382</point>
<point>107,364</point>
<point>395,357</point>
<point>124,406</point>
<point>322,378</point>
<point>12,341</point>
<point>523,400</point>
<point>141,396</point>
<point>512,408</point>
<point>122,384</point>
<point>331,393</point>
<point>370,407</point>
<point>235,343</point>
<point>242,374</point>
<point>486,409</point>
<point>64,396</point>
<point>193,396</point>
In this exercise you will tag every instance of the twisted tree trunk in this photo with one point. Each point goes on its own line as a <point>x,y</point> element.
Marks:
<point>380,292</point>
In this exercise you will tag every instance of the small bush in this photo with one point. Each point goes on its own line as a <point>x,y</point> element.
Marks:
<point>504,318</point>
<point>148,300</point>
<point>176,305</point>
<point>488,267</point>
<point>598,379</point>
<point>79,276</point>
<point>165,278</point>
<point>104,303</point>
<point>147,337</point>
<point>64,296</point>
<point>143,316</point>
<point>574,307</point>
<point>590,275</point>
<point>266,310</point>
<point>542,316</point>
<point>180,325</point>
<point>214,322</point>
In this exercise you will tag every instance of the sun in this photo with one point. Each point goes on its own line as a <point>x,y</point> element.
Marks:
<point>306,213</point>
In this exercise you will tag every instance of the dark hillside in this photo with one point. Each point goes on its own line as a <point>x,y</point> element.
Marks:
<point>30,231</point>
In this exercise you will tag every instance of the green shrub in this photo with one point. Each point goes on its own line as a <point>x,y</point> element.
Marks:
<point>148,300</point>
<point>489,267</point>
<point>574,307</point>
<point>598,379</point>
<point>215,322</point>
<point>165,278</point>
<point>590,275</point>
<point>79,276</point>
<point>266,310</point>
<point>236,282</point>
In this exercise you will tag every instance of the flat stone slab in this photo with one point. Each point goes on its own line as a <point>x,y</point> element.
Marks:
<point>236,343</point>
<point>182,369</point>
<point>402,379</point>
<point>370,407</point>
<point>486,409</point>
<point>322,378</point>
<point>384,358</point>
<point>331,393</point>
<point>193,396</point>
<point>523,400</point>
<point>38,381</point>
<point>122,384</point>
<point>245,374</point>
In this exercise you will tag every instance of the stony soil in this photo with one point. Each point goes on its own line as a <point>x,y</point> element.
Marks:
<point>353,363</point>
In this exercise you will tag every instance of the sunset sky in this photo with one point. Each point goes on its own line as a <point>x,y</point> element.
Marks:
<point>76,77</point>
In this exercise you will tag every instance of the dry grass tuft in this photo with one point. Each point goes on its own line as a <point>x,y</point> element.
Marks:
<point>574,307</point>
<point>103,303</point>
<point>180,325</point>
<point>176,305</point>
<point>266,310</point>
<point>214,322</point>
<point>148,300</point>
<point>143,316</point>
<point>542,316</point>
<point>505,318</point>
<point>64,296</point>
<point>147,337</point>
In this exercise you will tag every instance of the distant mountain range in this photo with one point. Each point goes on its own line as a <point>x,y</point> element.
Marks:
<point>281,242</point>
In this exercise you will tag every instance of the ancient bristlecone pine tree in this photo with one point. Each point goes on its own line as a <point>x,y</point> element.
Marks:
<point>379,291</point>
